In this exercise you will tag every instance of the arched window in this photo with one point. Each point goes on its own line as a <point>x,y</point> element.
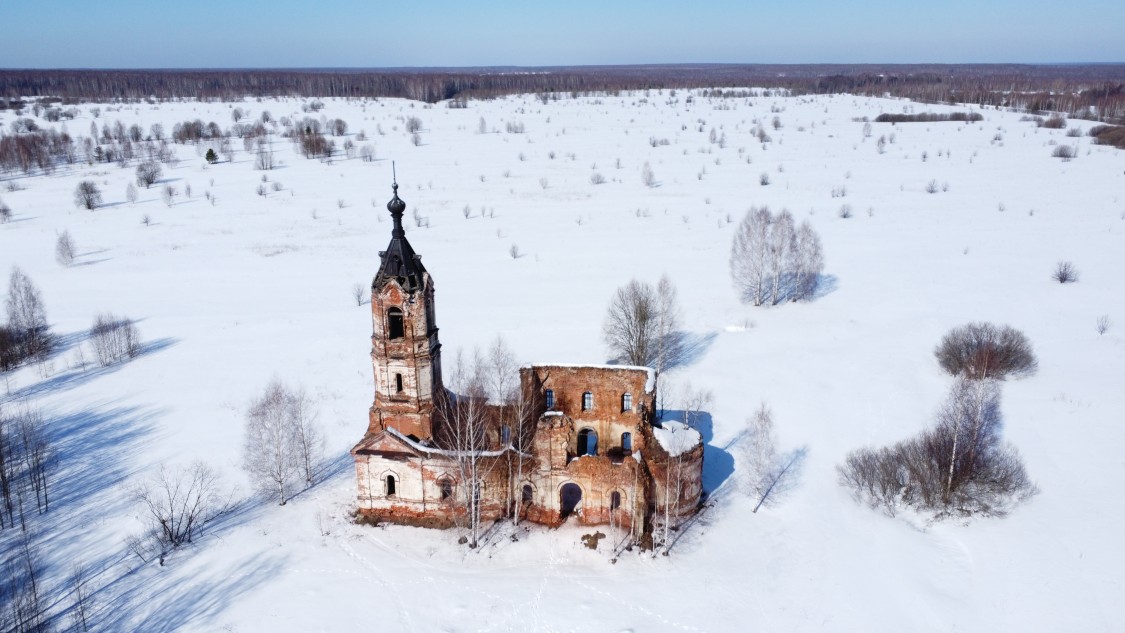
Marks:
<point>626,403</point>
<point>614,500</point>
<point>398,383</point>
<point>390,485</point>
<point>549,395</point>
<point>587,401</point>
<point>528,493</point>
<point>445,486</point>
<point>505,434</point>
<point>627,441</point>
<point>587,442</point>
<point>395,327</point>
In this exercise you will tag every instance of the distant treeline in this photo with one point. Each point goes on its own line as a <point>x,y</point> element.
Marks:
<point>928,117</point>
<point>1094,91</point>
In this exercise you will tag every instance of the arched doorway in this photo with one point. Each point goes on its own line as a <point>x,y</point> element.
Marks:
<point>570,496</point>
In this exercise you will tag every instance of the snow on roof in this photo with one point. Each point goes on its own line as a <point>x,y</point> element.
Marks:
<point>650,381</point>
<point>675,437</point>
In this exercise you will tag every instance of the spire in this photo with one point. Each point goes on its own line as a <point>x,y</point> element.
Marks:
<point>396,206</point>
<point>399,261</point>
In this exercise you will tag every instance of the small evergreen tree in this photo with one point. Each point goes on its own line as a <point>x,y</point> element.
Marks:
<point>211,156</point>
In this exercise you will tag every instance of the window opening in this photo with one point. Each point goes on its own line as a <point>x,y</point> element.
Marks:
<point>627,441</point>
<point>398,383</point>
<point>550,397</point>
<point>395,327</point>
<point>587,442</point>
<point>390,485</point>
<point>528,493</point>
<point>446,487</point>
<point>614,500</point>
<point>627,402</point>
<point>587,401</point>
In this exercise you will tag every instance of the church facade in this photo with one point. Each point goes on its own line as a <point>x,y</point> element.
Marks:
<point>577,442</point>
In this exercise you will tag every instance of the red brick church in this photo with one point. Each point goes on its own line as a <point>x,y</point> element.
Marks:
<point>580,442</point>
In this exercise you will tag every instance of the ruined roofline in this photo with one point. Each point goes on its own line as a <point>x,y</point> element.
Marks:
<point>650,381</point>
<point>429,450</point>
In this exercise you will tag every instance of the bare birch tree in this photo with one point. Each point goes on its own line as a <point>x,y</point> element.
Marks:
<point>283,442</point>
<point>27,318</point>
<point>749,256</point>
<point>516,407</point>
<point>642,322</point>
<point>772,261</point>
<point>465,436</point>
<point>782,243</point>
<point>23,605</point>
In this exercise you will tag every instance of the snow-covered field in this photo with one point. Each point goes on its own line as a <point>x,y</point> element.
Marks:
<point>230,295</point>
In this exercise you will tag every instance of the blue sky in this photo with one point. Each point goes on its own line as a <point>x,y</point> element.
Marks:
<point>287,33</point>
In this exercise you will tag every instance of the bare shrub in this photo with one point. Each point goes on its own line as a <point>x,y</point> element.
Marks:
<point>845,211</point>
<point>960,467</point>
<point>647,177</point>
<point>1056,122</point>
<point>114,339</point>
<point>149,171</point>
<point>932,187</point>
<point>764,179</point>
<point>514,251</point>
<point>131,193</point>
<point>1065,152</point>
<point>359,293</point>
<point>87,195</point>
<point>168,194</point>
<point>1103,324</point>
<point>5,213</point>
<point>983,350</point>
<point>367,153</point>
<point>597,179</point>
<point>413,124</point>
<point>179,502</point>
<point>64,249</point>
<point>1065,273</point>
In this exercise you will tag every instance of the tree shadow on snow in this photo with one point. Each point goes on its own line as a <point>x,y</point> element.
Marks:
<point>166,603</point>
<point>687,348</point>
<point>75,377</point>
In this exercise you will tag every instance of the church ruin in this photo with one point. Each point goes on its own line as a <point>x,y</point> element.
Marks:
<point>578,441</point>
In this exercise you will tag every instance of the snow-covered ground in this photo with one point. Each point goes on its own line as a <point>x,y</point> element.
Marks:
<point>230,295</point>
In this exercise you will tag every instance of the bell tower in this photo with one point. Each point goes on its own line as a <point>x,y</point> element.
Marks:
<point>405,351</point>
